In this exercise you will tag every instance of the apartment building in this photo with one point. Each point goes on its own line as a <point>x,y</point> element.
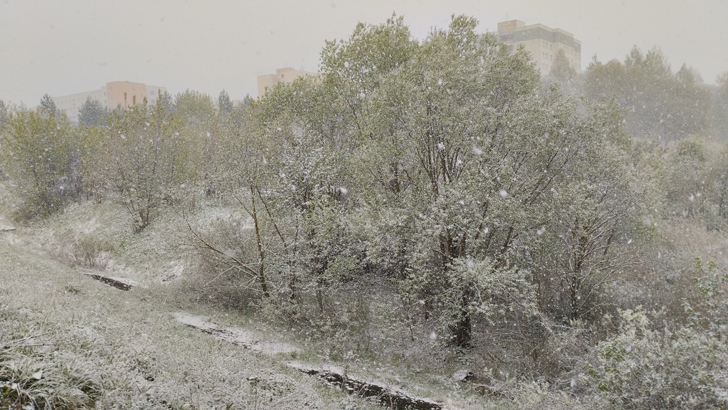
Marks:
<point>112,95</point>
<point>283,75</point>
<point>542,42</point>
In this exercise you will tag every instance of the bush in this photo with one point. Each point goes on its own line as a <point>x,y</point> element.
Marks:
<point>644,367</point>
<point>90,251</point>
<point>41,154</point>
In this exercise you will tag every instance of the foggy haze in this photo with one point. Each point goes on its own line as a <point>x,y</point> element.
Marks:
<point>65,47</point>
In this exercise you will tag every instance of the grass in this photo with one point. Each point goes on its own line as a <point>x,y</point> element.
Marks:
<point>142,340</point>
<point>129,345</point>
<point>136,331</point>
<point>112,349</point>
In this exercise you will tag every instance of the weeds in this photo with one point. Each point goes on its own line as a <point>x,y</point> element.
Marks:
<point>91,252</point>
<point>31,375</point>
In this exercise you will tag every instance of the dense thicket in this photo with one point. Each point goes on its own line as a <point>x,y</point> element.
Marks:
<point>503,216</point>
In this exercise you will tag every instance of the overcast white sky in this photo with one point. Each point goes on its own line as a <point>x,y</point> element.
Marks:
<point>67,46</point>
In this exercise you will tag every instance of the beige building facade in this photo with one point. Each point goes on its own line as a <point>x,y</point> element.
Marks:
<point>542,43</point>
<point>112,95</point>
<point>283,75</point>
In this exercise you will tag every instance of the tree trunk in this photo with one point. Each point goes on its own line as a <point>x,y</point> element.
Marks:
<point>462,331</point>
<point>261,251</point>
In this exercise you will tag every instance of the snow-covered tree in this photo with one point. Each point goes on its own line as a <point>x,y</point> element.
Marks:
<point>658,103</point>
<point>224,103</point>
<point>148,159</point>
<point>720,116</point>
<point>92,112</point>
<point>445,166</point>
<point>38,153</point>
<point>4,113</point>
<point>47,105</point>
<point>464,162</point>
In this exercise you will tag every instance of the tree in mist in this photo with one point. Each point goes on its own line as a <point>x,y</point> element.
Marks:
<point>92,113</point>
<point>167,102</point>
<point>562,72</point>
<point>657,103</point>
<point>247,100</point>
<point>194,108</point>
<point>719,179</point>
<point>4,113</point>
<point>47,105</point>
<point>224,103</point>
<point>687,172</point>
<point>721,106</point>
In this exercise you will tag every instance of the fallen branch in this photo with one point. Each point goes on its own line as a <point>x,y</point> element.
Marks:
<point>384,395</point>
<point>117,283</point>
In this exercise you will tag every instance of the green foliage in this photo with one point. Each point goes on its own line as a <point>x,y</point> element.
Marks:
<point>657,103</point>
<point>47,106</point>
<point>41,153</point>
<point>194,107</point>
<point>92,112</point>
<point>148,159</point>
<point>687,173</point>
<point>246,102</point>
<point>4,114</point>
<point>695,181</point>
<point>647,366</point>
<point>720,112</point>
<point>224,104</point>
<point>561,72</point>
<point>167,101</point>
<point>720,179</point>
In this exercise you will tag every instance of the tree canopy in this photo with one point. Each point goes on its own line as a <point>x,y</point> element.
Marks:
<point>47,105</point>
<point>657,102</point>
<point>92,112</point>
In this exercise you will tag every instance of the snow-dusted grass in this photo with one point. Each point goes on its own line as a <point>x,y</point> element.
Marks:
<point>126,339</point>
<point>161,261</point>
<point>131,346</point>
<point>143,257</point>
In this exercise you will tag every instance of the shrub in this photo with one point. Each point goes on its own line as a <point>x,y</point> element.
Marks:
<point>41,154</point>
<point>89,251</point>
<point>644,367</point>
